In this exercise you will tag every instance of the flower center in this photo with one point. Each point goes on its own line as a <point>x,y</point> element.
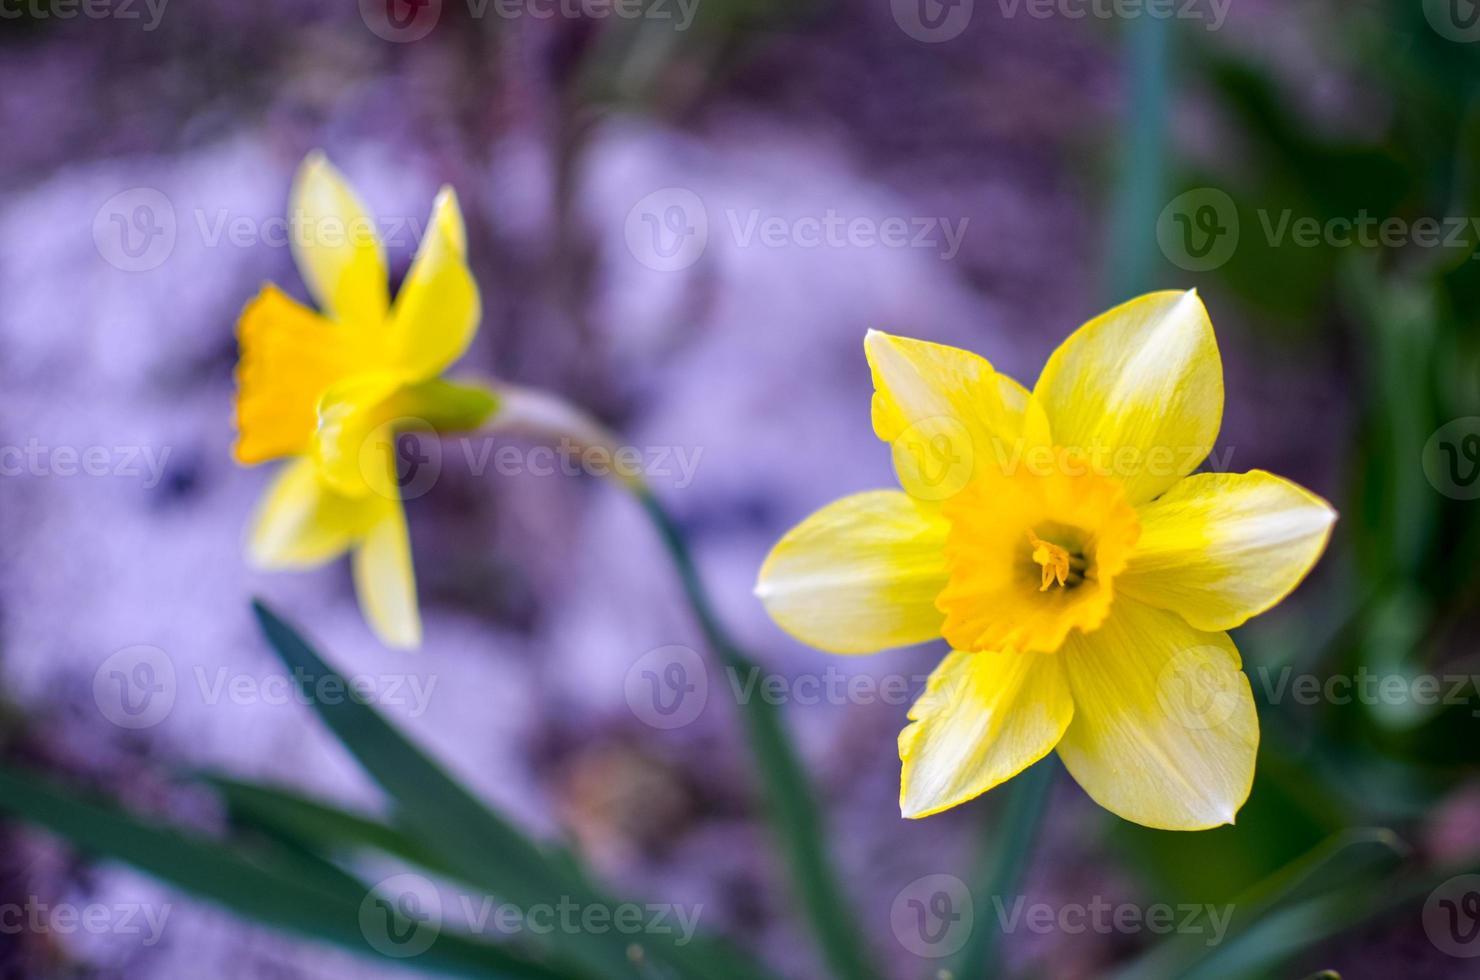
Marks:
<point>1032,553</point>
<point>1057,564</point>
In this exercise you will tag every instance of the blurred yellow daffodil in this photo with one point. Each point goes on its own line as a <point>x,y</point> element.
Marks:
<point>330,389</point>
<point>1083,575</point>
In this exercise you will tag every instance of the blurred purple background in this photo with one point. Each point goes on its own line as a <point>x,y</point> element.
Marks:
<point>541,592</point>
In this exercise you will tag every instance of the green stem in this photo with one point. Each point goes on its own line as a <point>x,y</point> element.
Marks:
<point>1005,863</point>
<point>1141,182</point>
<point>791,808</point>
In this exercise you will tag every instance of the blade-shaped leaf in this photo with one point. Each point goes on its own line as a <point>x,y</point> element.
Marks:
<point>459,831</point>
<point>318,824</point>
<point>1301,892</point>
<point>263,887</point>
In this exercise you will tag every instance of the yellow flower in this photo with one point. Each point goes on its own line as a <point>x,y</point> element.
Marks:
<point>1082,574</point>
<point>330,389</point>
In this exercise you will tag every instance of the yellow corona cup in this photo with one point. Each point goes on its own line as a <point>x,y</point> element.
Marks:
<point>328,389</point>
<point>1083,575</point>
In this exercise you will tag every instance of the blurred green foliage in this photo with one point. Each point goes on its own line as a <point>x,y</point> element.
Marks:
<point>1403,319</point>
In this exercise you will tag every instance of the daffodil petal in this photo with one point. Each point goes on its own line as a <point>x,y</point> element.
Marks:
<point>356,434</point>
<point>1164,732</point>
<point>945,413</point>
<point>384,579</point>
<point>984,717</point>
<point>360,418</point>
<point>289,355</point>
<point>301,523</point>
<point>1218,548</point>
<point>859,575</point>
<point>336,246</point>
<point>1139,390</point>
<point>436,312</point>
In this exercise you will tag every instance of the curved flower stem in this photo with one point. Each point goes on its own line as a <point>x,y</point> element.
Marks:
<point>792,810</point>
<point>541,415</point>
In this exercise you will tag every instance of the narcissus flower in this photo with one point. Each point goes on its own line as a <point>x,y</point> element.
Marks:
<point>1083,575</point>
<point>329,390</point>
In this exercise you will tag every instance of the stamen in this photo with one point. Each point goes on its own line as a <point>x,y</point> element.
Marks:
<point>1056,562</point>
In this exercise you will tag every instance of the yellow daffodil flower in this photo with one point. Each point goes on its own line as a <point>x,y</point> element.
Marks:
<point>1083,575</point>
<point>330,389</point>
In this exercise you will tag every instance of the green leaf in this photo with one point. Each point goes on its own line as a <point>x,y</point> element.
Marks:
<point>459,831</point>
<point>313,823</point>
<point>1298,891</point>
<point>267,888</point>
<point>1283,935</point>
<point>1006,861</point>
